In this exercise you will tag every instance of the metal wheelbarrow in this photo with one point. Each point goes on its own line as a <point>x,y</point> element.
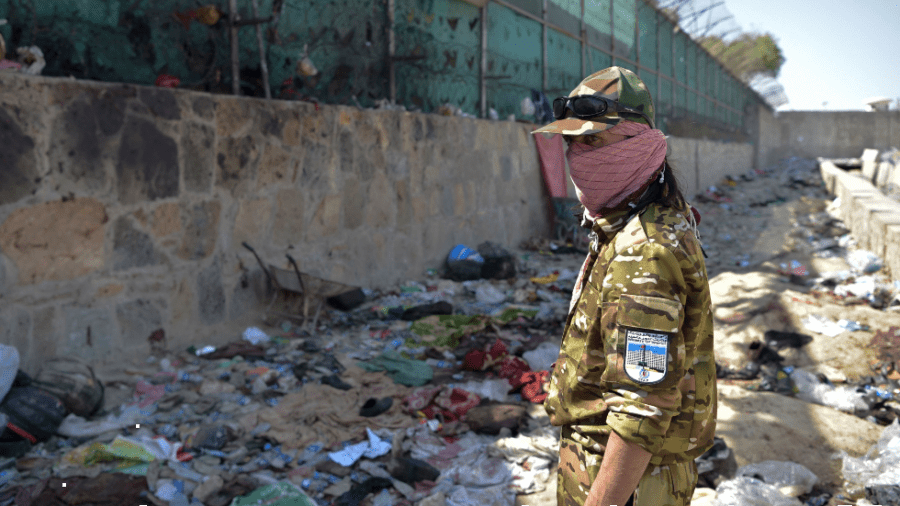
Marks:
<point>303,288</point>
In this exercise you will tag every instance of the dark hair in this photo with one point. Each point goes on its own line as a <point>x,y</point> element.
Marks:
<point>668,193</point>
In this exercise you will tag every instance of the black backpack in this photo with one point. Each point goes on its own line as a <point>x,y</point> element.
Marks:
<point>32,413</point>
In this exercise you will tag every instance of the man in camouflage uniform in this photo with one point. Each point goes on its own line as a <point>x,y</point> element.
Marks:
<point>634,387</point>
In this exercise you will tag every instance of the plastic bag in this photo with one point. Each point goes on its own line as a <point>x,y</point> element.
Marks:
<point>881,465</point>
<point>745,491</point>
<point>810,389</point>
<point>542,357</point>
<point>791,478</point>
<point>9,365</point>
<point>489,294</point>
<point>495,389</point>
<point>864,261</point>
<point>255,335</point>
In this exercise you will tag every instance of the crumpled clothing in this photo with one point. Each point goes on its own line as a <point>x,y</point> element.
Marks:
<point>405,371</point>
<point>322,413</point>
<point>480,360</point>
<point>449,403</point>
<point>532,383</point>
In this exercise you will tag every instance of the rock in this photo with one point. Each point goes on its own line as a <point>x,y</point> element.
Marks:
<point>209,487</point>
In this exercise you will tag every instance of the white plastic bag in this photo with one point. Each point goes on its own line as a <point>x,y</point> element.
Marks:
<point>542,357</point>
<point>863,261</point>
<point>487,293</point>
<point>744,491</point>
<point>255,335</point>
<point>811,390</point>
<point>791,479</point>
<point>9,366</point>
<point>881,465</point>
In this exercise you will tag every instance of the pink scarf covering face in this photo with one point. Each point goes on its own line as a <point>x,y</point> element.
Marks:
<point>607,175</point>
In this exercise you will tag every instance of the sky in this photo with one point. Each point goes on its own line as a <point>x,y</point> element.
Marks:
<point>838,53</point>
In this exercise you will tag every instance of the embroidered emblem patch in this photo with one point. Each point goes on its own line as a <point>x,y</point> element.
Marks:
<point>645,355</point>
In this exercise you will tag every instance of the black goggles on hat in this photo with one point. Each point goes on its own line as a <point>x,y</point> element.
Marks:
<point>591,106</point>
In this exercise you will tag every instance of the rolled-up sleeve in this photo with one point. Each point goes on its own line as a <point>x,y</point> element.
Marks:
<point>647,287</point>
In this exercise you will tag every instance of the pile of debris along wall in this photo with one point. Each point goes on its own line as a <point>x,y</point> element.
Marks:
<point>123,208</point>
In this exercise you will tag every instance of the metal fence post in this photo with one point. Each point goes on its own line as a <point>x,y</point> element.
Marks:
<point>612,31</point>
<point>484,60</point>
<point>583,43</point>
<point>392,79</point>
<point>544,28</point>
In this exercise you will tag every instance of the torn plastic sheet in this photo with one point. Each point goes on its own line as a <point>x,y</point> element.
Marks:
<point>881,465</point>
<point>372,448</point>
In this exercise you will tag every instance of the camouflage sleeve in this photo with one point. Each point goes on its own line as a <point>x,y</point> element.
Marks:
<point>646,290</point>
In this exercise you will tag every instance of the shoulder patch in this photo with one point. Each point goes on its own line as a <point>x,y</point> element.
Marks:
<point>646,353</point>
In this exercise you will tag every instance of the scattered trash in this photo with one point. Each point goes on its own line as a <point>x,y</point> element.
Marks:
<point>822,325</point>
<point>32,60</point>
<point>791,479</point>
<point>864,262</point>
<point>745,491</point>
<point>810,389</point>
<point>880,465</point>
<point>167,81</point>
<point>464,263</point>
<point>255,335</point>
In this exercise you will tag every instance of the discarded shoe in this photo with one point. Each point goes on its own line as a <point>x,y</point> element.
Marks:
<point>375,407</point>
<point>416,312</point>
<point>336,382</point>
<point>361,491</point>
<point>410,470</point>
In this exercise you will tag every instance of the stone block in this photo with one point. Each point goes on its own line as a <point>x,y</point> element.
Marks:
<point>166,219</point>
<point>275,166</point>
<point>316,167</point>
<point>90,333</point>
<point>884,174</point>
<point>459,199</point>
<point>138,319</point>
<point>204,107</point>
<point>131,247</point>
<point>160,102</point>
<point>235,116</point>
<point>147,168</point>
<point>44,336</point>
<point>354,203</point>
<point>55,240</point>
<point>272,120</point>
<point>247,293</point>
<point>237,160</point>
<point>869,164</point>
<point>19,176</point>
<point>381,203</point>
<point>201,230</point>
<point>211,294</point>
<point>404,205</point>
<point>326,219</point>
<point>197,146</point>
<point>181,301</point>
<point>15,329</point>
<point>506,167</point>
<point>892,250</point>
<point>289,224</point>
<point>109,290</point>
<point>251,222</point>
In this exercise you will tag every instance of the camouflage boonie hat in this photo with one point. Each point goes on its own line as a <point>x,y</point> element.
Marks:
<point>614,83</point>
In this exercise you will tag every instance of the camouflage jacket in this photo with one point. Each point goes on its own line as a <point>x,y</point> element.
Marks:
<point>637,350</point>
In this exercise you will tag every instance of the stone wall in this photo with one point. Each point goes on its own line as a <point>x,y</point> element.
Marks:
<point>700,163</point>
<point>123,208</point>
<point>829,134</point>
<point>873,218</point>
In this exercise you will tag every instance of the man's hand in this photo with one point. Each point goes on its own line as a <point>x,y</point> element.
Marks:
<point>622,467</point>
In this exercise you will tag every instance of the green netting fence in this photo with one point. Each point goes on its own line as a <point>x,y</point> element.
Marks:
<point>474,54</point>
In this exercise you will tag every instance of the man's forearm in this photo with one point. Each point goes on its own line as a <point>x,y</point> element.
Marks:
<point>622,467</point>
